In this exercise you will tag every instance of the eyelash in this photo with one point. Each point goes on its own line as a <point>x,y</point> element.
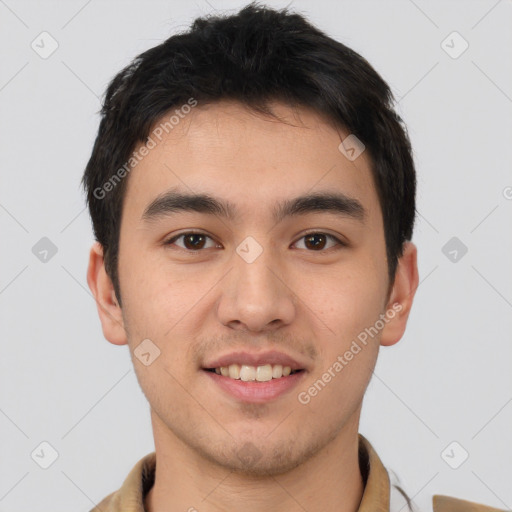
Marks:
<point>340,243</point>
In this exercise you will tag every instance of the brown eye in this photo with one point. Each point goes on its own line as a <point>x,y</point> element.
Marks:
<point>191,241</point>
<point>317,241</point>
<point>194,241</point>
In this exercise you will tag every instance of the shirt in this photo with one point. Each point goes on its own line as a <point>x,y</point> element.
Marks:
<point>376,494</point>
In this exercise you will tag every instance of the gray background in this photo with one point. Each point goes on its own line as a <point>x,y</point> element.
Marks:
<point>449,379</point>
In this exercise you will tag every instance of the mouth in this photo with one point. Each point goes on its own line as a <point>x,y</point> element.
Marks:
<point>255,377</point>
<point>253,384</point>
<point>249,373</point>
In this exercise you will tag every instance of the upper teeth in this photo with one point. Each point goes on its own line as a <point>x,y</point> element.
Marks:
<point>258,373</point>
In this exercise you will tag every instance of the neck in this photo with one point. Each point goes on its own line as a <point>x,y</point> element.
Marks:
<point>329,481</point>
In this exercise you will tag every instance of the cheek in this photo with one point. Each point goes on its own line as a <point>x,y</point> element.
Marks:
<point>155,297</point>
<point>336,389</point>
<point>350,305</point>
<point>346,300</point>
<point>161,304</point>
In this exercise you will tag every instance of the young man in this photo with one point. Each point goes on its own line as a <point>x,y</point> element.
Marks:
<point>252,193</point>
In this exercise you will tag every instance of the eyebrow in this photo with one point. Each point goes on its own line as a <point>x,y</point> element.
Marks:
<point>174,201</point>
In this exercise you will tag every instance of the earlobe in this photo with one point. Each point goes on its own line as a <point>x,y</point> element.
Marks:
<point>401,297</point>
<point>103,291</point>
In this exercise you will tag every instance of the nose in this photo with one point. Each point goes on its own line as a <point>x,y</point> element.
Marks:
<point>255,296</point>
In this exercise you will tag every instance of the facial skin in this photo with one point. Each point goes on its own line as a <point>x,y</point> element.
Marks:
<point>309,303</point>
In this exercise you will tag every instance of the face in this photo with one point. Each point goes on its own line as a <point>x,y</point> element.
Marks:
<point>257,282</point>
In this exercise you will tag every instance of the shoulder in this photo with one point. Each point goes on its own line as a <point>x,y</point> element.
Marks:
<point>107,504</point>
<point>449,504</point>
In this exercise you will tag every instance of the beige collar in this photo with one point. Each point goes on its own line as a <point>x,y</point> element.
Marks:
<point>376,494</point>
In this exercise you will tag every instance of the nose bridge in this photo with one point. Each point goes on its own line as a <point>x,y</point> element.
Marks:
<point>255,294</point>
<point>253,269</point>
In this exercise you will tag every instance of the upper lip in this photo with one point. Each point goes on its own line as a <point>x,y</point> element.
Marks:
<point>255,359</point>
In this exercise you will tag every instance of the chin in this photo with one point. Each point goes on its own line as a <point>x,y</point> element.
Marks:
<point>266,466</point>
<point>263,460</point>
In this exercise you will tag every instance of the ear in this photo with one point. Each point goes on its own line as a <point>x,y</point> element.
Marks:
<point>401,296</point>
<point>103,290</point>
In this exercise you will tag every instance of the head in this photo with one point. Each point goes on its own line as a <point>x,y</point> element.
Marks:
<point>232,131</point>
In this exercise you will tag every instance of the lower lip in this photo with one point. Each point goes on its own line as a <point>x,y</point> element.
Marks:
<point>256,392</point>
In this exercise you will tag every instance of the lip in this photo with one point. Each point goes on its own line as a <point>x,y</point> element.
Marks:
<point>255,392</point>
<point>256,359</point>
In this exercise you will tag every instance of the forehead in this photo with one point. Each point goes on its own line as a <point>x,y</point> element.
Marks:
<point>228,151</point>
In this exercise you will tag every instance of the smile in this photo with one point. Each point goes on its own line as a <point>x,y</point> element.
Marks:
<point>254,390</point>
<point>248,373</point>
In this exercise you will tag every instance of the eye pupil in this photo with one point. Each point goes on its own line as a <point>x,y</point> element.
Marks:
<point>315,236</point>
<point>189,239</point>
